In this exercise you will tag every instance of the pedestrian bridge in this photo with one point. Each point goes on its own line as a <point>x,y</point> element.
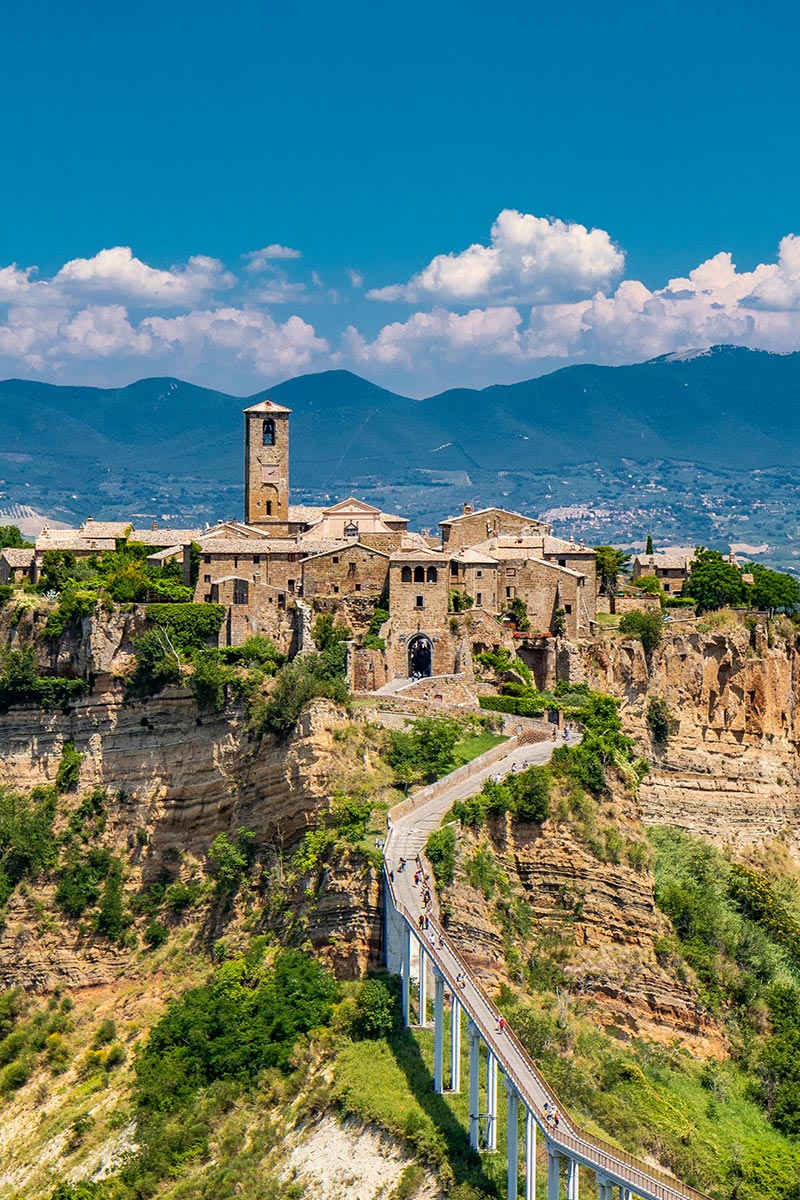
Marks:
<point>428,956</point>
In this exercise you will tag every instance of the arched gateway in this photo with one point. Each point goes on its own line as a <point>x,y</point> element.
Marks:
<point>420,655</point>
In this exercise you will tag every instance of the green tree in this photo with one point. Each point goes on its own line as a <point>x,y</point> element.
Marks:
<point>610,562</point>
<point>56,569</point>
<point>425,751</point>
<point>518,609</point>
<point>714,582</point>
<point>646,626</point>
<point>375,1009</point>
<point>649,547</point>
<point>11,538</point>
<point>649,585</point>
<point>774,589</point>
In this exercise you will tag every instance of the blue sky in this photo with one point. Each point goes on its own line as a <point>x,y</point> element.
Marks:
<point>631,144</point>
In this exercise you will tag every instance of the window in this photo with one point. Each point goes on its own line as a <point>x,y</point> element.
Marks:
<point>433,575</point>
<point>666,586</point>
<point>256,559</point>
<point>419,574</point>
<point>268,433</point>
<point>206,579</point>
<point>479,574</point>
<point>358,587</point>
<point>281,600</point>
<point>207,558</point>
<point>335,558</point>
<point>562,562</point>
<point>511,571</point>
<point>453,568</point>
<point>405,575</point>
<point>567,609</point>
<point>241,591</point>
<point>510,592</point>
<point>478,599</point>
<point>269,508</point>
<point>336,589</point>
<point>351,529</point>
<point>291,585</point>
<point>351,568</point>
<point>420,602</point>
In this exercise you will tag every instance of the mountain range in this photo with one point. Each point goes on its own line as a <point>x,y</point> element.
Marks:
<point>163,447</point>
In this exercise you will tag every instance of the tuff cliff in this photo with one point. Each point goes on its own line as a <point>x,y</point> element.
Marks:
<point>729,771</point>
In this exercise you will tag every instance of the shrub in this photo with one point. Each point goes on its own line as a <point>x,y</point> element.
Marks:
<point>229,861</point>
<point>209,680</point>
<point>255,650</point>
<point>21,683</point>
<point>425,751</point>
<point>106,1032</point>
<point>155,935</point>
<point>376,1010</point>
<point>81,880</point>
<point>69,768</point>
<point>189,626</point>
<point>459,602</point>
<point>15,1075</point>
<point>440,850</point>
<point>646,626</point>
<point>306,678</point>
<point>232,1028</point>
<point>158,663</point>
<point>660,719</point>
<point>113,920</point>
<point>372,639</point>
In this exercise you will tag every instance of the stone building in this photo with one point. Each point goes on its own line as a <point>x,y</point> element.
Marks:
<point>671,570</point>
<point>282,563</point>
<point>16,565</point>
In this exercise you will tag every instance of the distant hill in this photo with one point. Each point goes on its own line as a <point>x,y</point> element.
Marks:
<point>161,445</point>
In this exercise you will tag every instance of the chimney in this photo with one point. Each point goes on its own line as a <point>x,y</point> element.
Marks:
<point>154,526</point>
<point>468,510</point>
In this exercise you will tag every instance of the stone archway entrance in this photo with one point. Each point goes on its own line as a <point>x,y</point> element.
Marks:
<point>420,656</point>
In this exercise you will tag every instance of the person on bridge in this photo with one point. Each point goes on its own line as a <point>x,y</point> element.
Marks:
<point>501,1024</point>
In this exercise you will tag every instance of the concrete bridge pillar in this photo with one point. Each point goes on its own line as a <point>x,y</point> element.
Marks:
<point>455,1047</point>
<point>573,1179</point>
<point>605,1188</point>
<point>406,974</point>
<point>438,1032</point>
<point>474,1082</point>
<point>554,1173</point>
<point>530,1156</point>
<point>491,1101</point>
<point>512,1133</point>
<point>423,985</point>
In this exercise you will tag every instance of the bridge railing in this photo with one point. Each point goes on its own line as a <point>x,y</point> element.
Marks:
<point>602,1155</point>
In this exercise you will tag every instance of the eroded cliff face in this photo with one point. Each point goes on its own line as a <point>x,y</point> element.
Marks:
<point>174,780</point>
<point>730,772</point>
<point>595,921</point>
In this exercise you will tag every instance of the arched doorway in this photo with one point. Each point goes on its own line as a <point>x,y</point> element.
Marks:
<point>420,656</point>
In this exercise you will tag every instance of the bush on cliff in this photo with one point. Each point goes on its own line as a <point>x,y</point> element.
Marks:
<point>21,683</point>
<point>307,677</point>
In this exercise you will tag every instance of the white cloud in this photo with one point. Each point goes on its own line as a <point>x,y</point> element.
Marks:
<point>529,260</point>
<point>116,272</point>
<point>779,290</point>
<point>452,336</point>
<point>356,278</point>
<point>245,334</point>
<point>261,260</point>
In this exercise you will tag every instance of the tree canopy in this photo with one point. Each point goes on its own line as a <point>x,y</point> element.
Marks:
<point>610,562</point>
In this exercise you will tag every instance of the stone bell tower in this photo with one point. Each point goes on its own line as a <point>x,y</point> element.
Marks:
<point>266,464</point>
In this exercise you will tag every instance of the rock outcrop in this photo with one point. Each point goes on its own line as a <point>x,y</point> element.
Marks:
<point>730,771</point>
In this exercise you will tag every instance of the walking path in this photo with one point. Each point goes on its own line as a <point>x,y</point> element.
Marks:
<point>408,833</point>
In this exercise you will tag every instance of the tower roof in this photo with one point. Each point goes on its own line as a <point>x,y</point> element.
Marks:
<point>266,407</point>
